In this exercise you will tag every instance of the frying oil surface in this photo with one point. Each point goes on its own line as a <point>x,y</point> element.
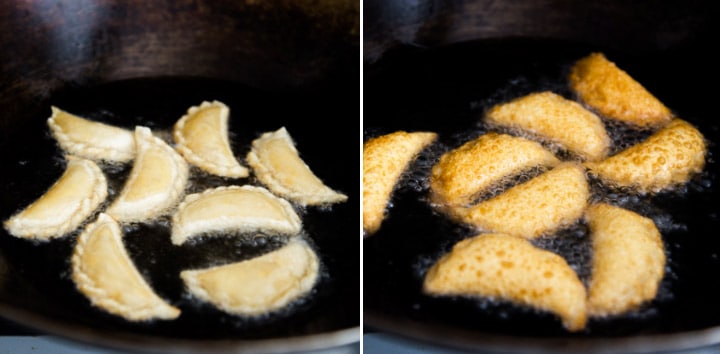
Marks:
<point>43,284</point>
<point>572,242</point>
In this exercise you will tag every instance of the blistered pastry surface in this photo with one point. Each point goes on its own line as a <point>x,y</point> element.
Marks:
<point>509,267</point>
<point>538,207</point>
<point>610,90</point>
<point>385,158</point>
<point>463,173</point>
<point>554,119</point>
<point>628,260</point>
<point>666,159</point>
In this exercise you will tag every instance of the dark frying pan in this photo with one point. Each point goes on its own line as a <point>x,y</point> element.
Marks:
<point>439,67</point>
<point>129,63</point>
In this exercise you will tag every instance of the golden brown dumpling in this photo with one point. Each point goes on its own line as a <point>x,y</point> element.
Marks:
<point>385,158</point>
<point>628,260</point>
<point>542,205</point>
<point>510,268</point>
<point>669,157</point>
<point>615,94</point>
<point>472,168</point>
<point>555,119</point>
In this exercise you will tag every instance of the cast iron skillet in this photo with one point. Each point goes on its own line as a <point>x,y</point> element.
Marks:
<point>145,63</point>
<point>446,87</point>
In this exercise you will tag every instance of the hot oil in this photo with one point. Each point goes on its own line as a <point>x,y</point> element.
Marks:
<point>157,103</point>
<point>204,250</point>
<point>433,239</point>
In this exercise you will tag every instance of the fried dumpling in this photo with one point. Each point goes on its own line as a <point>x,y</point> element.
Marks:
<point>156,182</point>
<point>234,209</point>
<point>628,260</point>
<point>669,157</point>
<point>277,164</point>
<point>462,173</point>
<point>555,119</point>
<point>65,205</point>
<point>385,158</point>
<point>201,136</point>
<point>103,271</point>
<point>510,268</point>
<point>89,139</point>
<point>258,285</point>
<point>542,205</point>
<point>611,91</point>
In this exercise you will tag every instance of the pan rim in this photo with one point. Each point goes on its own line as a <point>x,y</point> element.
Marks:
<point>144,343</point>
<point>463,339</point>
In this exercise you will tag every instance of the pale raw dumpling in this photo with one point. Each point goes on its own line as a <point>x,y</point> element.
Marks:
<point>258,285</point>
<point>90,139</point>
<point>233,209</point>
<point>277,164</point>
<point>156,182</point>
<point>104,272</point>
<point>80,190</point>
<point>201,137</point>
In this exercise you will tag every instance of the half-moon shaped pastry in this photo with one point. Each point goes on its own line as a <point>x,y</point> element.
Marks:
<point>542,205</point>
<point>510,268</point>
<point>463,173</point>
<point>89,139</point>
<point>669,157</point>
<point>611,91</point>
<point>201,136</point>
<point>555,119</point>
<point>277,164</point>
<point>628,260</point>
<point>65,205</point>
<point>103,271</point>
<point>156,182</point>
<point>259,285</point>
<point>232,208</point>
<point>385,158</point>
